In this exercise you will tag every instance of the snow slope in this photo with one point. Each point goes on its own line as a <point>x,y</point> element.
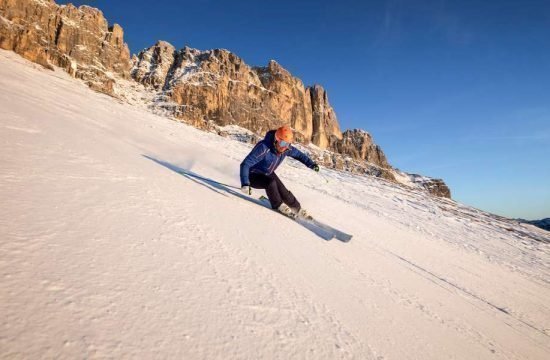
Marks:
<point>109,252</point>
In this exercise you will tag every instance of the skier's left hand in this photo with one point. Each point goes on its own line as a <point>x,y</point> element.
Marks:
<point>315,167</point>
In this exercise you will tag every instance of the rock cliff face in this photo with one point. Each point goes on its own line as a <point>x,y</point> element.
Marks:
<point>153,64</point>
<point>435,187</point>
<point>359,145</point>
<point>76,39</point>
<point>219,86</point>
<point>323,118</point>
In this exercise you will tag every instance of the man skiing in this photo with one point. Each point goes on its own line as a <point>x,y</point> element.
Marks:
<point>258,170</point>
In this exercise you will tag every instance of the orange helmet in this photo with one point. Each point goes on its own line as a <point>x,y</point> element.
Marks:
<point>284,133</point>
<point>283,138</point>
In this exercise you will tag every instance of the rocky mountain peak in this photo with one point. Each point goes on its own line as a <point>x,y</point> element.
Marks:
<point>323,117</point>
<point>76,39</point>
<point>435,187</point>
<point>359,144</point>
<point>275,69</point>
<point>151,65</point>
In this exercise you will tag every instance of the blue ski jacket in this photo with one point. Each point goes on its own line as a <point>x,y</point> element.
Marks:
<point>264,158</point>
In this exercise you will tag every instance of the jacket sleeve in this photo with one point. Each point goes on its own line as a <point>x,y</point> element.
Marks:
<point>301,157</point>
<point>254,157</point>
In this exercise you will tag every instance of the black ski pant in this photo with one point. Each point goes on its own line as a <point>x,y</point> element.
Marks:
<point>275,189</point>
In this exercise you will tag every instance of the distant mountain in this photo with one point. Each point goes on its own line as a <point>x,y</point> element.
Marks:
<point>543,224</point>
<point>202,88</point>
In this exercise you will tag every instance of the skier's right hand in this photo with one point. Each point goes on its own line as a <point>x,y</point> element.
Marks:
<point>246,189</point>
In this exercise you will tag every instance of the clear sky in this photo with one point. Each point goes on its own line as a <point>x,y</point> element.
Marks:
<point>458,90</point>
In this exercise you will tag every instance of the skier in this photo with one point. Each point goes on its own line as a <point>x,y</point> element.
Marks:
<point>258,170</point>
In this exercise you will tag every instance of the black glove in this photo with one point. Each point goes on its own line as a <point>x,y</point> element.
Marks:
<point>315,167</point>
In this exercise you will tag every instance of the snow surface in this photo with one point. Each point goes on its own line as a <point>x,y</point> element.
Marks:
<point>113,247</point>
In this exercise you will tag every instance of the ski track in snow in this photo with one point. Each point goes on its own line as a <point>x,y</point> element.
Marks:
<point>108,253</point>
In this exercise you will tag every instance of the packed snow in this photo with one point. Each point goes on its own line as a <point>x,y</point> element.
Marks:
<point>114,245</point>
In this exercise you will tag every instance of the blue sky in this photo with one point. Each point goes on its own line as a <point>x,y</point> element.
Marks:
<point>458,90</point>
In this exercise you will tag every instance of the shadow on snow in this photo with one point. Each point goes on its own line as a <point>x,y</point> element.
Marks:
<point>216,186</point>
<point>226,190</point>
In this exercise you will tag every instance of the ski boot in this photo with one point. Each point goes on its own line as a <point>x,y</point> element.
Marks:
<point>301,213</point>
<point>286,211</point>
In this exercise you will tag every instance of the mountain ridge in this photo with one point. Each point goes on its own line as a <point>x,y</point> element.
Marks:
<point>541,223</point>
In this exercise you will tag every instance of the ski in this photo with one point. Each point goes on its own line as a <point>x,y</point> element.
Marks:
<point>324,234</point>
<point>339,235</point>
<point>325,231</point>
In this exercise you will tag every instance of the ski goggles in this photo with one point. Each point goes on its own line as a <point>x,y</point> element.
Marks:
<point>283,143</point>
